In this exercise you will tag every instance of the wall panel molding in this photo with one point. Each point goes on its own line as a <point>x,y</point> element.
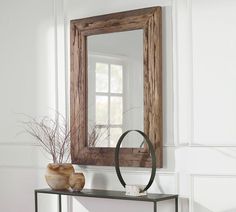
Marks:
<point>126,170</point>
<point>183,72</point>
<point>204,175</point>
<point>60,57</point>
<point>214,73</point>
<point>175,74</point>
<point>212,145</point>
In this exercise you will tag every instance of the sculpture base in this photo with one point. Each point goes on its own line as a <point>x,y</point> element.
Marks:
<point>135,190</point>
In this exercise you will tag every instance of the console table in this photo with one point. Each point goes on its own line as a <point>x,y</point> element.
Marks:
<point>107,194</point>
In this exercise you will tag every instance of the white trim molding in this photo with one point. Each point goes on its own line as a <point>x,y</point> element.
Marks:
<point>183,71</point>
<point>60,58</point>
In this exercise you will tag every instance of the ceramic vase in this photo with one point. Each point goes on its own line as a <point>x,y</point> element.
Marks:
<point>77,181</point>
<point>57,175</point>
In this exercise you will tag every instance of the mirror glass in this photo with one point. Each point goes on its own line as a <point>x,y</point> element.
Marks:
<point>115,88</point>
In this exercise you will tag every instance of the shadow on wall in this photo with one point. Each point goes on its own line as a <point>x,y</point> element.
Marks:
<point>157,181</point>
<point>99,179</point>
<point>200,208</point>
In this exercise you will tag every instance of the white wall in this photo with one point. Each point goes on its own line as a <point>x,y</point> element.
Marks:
<point>212,154</point>
<point>199,102</point>
<point>27,85</point>
<point>205,159</point>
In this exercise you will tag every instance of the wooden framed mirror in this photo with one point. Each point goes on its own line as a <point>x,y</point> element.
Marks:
<point>116,85</point>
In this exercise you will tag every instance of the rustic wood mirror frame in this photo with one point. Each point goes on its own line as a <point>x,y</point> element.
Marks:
<point>148,19</point>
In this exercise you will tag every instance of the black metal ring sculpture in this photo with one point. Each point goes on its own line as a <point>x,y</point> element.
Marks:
<point>153,155</point>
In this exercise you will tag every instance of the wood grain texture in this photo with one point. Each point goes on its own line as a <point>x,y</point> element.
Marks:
<point>148,19</point>
<point>153,84</point>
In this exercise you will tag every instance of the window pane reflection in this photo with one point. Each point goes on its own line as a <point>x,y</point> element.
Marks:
<point>101,110</point>
<point>116,79</point>
<point>116,110</point>
<point>101,77</point>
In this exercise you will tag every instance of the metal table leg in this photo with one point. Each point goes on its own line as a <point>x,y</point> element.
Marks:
<point>176,204</point>
<point>155,206</point>
<point>59,203</point>
<point>36,201</point>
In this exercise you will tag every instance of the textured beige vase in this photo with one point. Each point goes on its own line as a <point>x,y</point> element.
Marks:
<point>57,175</point>
<point>77,181</point>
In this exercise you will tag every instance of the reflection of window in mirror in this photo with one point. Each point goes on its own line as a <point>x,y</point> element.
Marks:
<point>115,87</point>
<point>106,98</point>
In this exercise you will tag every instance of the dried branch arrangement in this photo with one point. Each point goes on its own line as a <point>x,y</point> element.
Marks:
<point>97,134</point>
<point>53,135</point>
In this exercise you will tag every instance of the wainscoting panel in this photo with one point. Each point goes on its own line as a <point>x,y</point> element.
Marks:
<point>214,76</point>
<point>213,193</point>
<point>17,189</point>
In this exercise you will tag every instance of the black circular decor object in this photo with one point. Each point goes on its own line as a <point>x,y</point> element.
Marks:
<point>153,155</point>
